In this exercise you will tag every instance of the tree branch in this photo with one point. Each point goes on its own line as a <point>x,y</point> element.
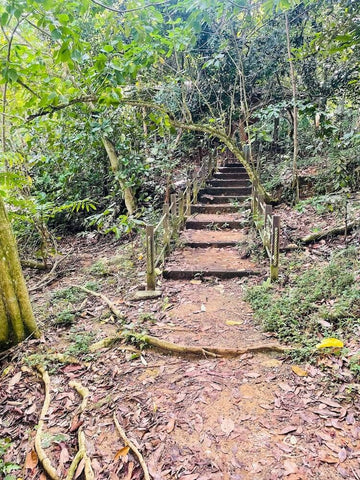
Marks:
<point>131,9</point>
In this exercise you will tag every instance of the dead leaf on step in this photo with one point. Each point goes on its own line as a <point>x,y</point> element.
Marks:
<point>196,282</point>
<point>232,323</point>
<point>299,371</point>
<point>121,453</point>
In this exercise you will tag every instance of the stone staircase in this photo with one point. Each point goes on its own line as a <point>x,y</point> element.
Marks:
<point>214,230</point>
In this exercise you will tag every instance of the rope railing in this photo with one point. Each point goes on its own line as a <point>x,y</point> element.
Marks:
<point>268,226</point>
<point>159,237</point>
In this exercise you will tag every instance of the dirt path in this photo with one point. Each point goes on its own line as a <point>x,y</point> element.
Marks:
<point>253,417</point>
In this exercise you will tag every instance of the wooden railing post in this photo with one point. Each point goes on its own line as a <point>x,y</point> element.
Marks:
<point>150,258</point>
<point>167,227</point>
<point>181,209</point>
<point>188,199</point>
<point>275,240</point>
<point>267,230</point>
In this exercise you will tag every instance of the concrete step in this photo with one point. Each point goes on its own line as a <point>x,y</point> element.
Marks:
<point>204,262</point>
<point>220,199</point>
<point>226,191</point>
<point>229,182</point>
<point>211,238</point>
<point>239,169</point>
<point>219,224</point>
<point>230,176</point>
<point>216,208</point>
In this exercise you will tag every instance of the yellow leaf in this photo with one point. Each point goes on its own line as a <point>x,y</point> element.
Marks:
<point>141,256</point>
<point>196,282</point>
<point>122,452</point>
<point>232,322</point>
<point>157,271</point>
<point>299,371</point>
<point>330,342</point>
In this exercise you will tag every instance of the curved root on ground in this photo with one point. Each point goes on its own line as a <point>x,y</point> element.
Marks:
<point>130,444</point>
<point>43,458</point>
<point>82,453</point>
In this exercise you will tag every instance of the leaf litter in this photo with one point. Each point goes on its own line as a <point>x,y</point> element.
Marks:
<point>191,418</point>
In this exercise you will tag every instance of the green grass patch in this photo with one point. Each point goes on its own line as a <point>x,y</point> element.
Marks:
<point>323,300</point>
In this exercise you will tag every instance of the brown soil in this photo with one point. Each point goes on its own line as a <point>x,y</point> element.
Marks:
<point>212,236</point>
<point>208,259</point>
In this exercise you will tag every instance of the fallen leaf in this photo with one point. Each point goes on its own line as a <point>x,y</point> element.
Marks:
<point>342,455</point>
<point>196,282</point>
<point>325,458</point>
<point>203,308</point>
<point>299,372</point>
<point>31,460</point>
<point>75,423</point>
<point>121,453</point>
<point>329,402</point>
<point>232,323</point>
<point>80,468</point>
<point>170,426</point>
<point>227,425</point>
<point>330,342</point>
<point>15,379</point>
<point>290,467</point>
<point>288,429</point>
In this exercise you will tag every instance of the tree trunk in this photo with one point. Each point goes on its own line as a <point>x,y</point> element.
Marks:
<point>17,320</point>
<point>295,179</point>
<point>129,198</point>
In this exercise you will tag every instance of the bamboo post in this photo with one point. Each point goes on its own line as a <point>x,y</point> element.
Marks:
<point>166,227</point>
<point>150,258</point>
<point>188,199</point>
<point>275,239</point>
<point>181,209</point>
<point>195,191</point>
<point>267,231</point>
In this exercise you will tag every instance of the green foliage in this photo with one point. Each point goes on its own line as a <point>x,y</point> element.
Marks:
<point>321,300</point>
<point>6,468</point>
<point>80,343</point>
<point>65,318</point>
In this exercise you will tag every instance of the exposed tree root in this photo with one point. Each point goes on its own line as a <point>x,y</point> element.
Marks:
<point>209,350</point>
<point>43,458</point>
<point>105,299</point>
<point>34,264</point>
<point>108,341</point>
<point>133,447</point>
<point>82,452</point>
<point>313,237</point>
<point>59,357</point>
<point>192,350</point>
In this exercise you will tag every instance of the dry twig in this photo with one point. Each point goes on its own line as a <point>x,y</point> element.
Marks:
<point>105,299</point>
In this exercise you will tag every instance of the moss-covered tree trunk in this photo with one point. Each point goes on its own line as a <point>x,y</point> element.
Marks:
<point>16,316</point>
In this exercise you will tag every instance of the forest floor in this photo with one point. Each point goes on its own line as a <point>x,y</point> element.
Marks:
<point>254,416</point>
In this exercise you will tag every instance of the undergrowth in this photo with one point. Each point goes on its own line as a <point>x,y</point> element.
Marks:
<point>323,301</point>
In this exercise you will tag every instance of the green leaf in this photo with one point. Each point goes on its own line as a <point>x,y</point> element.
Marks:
<point>4,19</point>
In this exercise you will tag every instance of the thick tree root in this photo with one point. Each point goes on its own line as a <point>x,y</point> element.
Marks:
<point>82,452</point>
<point>209,350</point>
<point>105,299</point>
<point>108,341</point>
<point>133,447</point>
<point>313,237</point>
<point>191,350</point>
<point>43,458</point>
